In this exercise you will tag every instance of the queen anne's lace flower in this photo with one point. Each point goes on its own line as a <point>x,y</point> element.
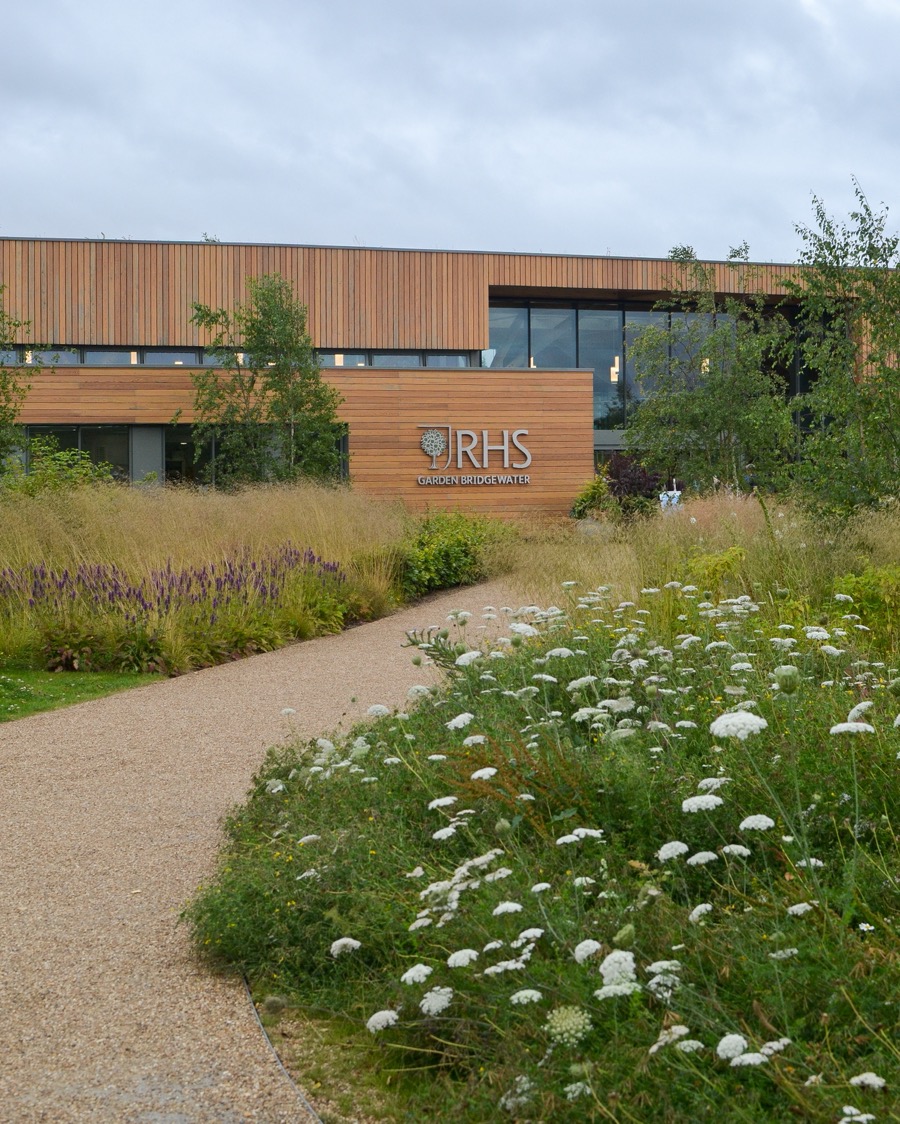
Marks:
<point>467,658</point>
<point>852,728</point>
<point>756,823</point>
<point>799,909</point>
<point>737,849</point>
<point>377,711</point>
<point>568,1025</point>
<point>381,1020</point>
<point>526,995</point>
<point>737,724</point>
<point>706,802</point>
<point>417,974</point>
<point>342,945</point>
<point>731,1046</point>
<point>460,721</point>
<point>868,1080</point>
<point>618,972</point>
<point>702,858</point>
<point>585,950</point>
<point>436,1000</point>
<point>540,887</point>
<point>749,1059</point>
<point>442,802</point>
<point>462,959</point>
<point>484,774</point>
<point>699,911</point>
<point>672,850</point>
<point>506,907</point>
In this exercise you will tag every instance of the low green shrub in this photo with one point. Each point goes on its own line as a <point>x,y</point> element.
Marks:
<point>594,500</point>
<point>876,597</point>
<point>450,549</point>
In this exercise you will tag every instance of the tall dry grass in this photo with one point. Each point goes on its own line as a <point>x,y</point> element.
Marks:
<point>141,528</point>
<point>781,548</point>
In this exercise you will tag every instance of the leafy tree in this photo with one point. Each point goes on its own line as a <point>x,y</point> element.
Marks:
<point>12,387</point>
<point>716,407</point>
<point>849,297</point>
<point>270,413</point>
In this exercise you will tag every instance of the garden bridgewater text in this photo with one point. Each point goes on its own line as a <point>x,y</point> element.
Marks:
<point>460,480</point>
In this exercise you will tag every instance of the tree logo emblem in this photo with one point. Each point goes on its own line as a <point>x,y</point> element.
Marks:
<point>434,443</point>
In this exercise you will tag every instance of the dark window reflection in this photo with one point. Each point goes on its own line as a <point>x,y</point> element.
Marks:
<point>166,357</point>
<point>553,337</point>
<point>635,323</point>
<point>55,357</point>
<point>109,444</point>
<point>108,357</point>
<point>509,338</point>
<point>600,347</point>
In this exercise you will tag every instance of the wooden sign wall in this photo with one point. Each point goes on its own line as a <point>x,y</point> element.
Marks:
<point>510,441</point>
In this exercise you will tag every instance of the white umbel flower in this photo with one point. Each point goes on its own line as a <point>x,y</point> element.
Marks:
<point>342,945</point>
<point>462,958</point>
<point>756,823</point>
<point>705,802</point>
<point>672,850</point>
<point>731,1046</point>
<point>868,1080</point>
<point>381,1020</point>
<point>460,721</point>
<point>585,950</point>
<point>417,974</point>
<point>737,724</point>
<point>435,1001</point>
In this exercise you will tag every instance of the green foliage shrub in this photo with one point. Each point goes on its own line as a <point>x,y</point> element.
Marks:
<point>450,549</point>
<point>51,469</point>
<point>876,597</point>
<point>594,499</point>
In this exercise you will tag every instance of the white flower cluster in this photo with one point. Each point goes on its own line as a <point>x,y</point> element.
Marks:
<point>619,977</point>
<point>568,1025</point>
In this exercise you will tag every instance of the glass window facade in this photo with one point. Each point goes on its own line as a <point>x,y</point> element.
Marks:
<point>53,356</point>
<point>396,359</point>
<point>553,338</point>
<point>509,338</point>
<point>170,357</point>
<point>109,357</point>
<point>600,347</point>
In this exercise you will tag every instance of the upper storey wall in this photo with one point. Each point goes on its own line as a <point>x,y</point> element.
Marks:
<point>141,293</point>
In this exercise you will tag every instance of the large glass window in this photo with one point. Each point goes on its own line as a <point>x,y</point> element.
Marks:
<point>396,359</point>
<point>553,337</point>
<point>53,356</point>
<point>107,443</point>
<point>170,357</point>
<point>109,357</point>
<point>65,436</point>
<point>342,358</point>
<point>635,323</point>
<point>446,359</point>
<point>509,338</point>
<point>9,357</point>
<point>182,464</point>
<point>600,347</point>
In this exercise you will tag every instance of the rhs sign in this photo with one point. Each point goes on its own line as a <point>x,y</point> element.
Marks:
<point>461,449</point>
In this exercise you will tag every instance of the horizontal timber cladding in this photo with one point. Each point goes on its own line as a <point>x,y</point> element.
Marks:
<point>141,293</point>
<point>536,424</point>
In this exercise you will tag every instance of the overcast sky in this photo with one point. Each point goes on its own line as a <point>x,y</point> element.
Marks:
<point>576,126</point>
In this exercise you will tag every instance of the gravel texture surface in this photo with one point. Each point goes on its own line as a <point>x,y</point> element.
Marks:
<point>109,818</point>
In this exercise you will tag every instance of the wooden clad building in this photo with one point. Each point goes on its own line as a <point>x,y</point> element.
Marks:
<point>518,362</point>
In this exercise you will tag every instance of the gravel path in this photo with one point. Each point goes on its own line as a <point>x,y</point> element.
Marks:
<point>109,816</point>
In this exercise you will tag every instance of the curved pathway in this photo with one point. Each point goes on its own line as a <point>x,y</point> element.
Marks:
<point>109,816</point>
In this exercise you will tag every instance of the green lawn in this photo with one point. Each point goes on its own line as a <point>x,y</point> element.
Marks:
<point>28,692</point>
